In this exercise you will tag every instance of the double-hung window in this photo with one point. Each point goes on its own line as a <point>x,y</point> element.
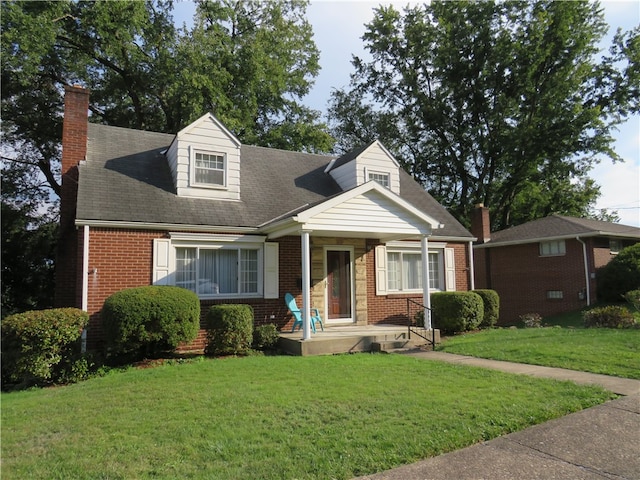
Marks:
<point>404,271</point>
<point>209,169</point>
<point>218,271</point>
<point>553,248</point>
<point>381,177</point>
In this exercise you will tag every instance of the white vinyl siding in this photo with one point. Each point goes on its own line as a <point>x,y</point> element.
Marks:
<point>374,159</point>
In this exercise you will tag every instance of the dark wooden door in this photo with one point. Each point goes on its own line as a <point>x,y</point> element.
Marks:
<point>339,284</point>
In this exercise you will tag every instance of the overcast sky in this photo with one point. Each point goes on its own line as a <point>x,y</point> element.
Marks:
<point>339,25</point>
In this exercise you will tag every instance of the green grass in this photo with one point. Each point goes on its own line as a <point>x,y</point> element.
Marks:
<point>270,417</point>
<point>597,350</point>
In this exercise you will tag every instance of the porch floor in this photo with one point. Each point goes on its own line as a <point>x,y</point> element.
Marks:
<point>350,338</point>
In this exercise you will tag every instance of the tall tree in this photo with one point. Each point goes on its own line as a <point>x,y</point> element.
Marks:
<point>501,103</point>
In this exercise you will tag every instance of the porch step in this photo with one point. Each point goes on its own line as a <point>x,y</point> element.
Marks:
<point>391,345</point>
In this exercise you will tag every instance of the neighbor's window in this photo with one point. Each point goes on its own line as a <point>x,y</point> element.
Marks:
<point>381,178</point>
<point>548,249</point>
<point>615,246</point>
<point>404,271</point>
<point>555,294</point>
<point>219,271</point>
<point>209,169</point>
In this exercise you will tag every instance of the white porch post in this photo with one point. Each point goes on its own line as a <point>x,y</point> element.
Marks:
<point>426,299</point>
<point>306,286</point>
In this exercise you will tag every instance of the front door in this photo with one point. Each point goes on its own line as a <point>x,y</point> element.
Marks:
<point>339,286</point>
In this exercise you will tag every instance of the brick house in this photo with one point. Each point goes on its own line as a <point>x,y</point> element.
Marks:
<point>546,266</point>
<point>353,236</point>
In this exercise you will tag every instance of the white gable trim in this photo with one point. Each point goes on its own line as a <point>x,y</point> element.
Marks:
<point>218,123</point>
<point>306,215</point>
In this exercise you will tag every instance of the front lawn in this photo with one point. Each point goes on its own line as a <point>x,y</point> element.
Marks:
<point>271,417</point>
<point>598,350</point>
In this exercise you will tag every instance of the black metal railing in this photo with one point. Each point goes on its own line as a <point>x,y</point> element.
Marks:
<point>417,322</point>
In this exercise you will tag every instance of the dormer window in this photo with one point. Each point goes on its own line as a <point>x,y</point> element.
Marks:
<point>380,177</point>
<point>209,169</point>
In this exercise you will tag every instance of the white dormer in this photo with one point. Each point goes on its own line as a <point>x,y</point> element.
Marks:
<point>205,160</point>
<point>373,162</point>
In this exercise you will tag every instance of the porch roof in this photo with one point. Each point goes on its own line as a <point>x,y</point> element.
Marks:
<point>367,211</point>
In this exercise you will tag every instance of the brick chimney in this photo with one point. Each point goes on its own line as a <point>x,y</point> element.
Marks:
<point>74,149</point>
<point>480,224</point>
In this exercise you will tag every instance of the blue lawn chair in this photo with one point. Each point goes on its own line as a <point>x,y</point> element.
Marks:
<point>297,314</point>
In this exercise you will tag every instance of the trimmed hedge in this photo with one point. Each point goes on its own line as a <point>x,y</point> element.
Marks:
<point>265,337</point>
<point>613,316</point>
<point>147,321</point>
<point>229,329</point>
<point>41,346</point>
<point>620,275</point>
<point>457,311</point>
<point>491,302</point>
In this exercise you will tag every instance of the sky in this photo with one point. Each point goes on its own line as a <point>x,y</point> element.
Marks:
<point>339,25</point>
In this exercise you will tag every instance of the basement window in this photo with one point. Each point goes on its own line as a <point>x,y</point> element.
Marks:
<point>555,295</point>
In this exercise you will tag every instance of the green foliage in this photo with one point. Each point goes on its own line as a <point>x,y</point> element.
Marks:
<point>491,302</point>
<point>147,321</point>
<point>41,346</point>
<point>265,337</point>
<point>633,298</point>
<point>531,320</point>
<point>505,103</point>
<point>620,275</point>
<point>229,329</point>
<point>457,311</point>
<point>612,316</point>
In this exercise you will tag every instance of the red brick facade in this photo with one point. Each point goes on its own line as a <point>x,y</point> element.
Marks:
<point>523,278</point>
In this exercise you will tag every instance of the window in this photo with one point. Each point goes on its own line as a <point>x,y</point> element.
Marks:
<point>209,169</point>
<point>217,271</point>
<point>555,248</point>
<point>381,178</point>
<point>404,271</point>
<point>615,246</point>
<point>555,294</point>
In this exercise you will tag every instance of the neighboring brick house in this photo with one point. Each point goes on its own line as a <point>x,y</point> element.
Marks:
<point>546,266</point>
<point>239,223</point>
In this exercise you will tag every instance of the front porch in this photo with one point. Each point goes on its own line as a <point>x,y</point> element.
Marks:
<point>353,338</point>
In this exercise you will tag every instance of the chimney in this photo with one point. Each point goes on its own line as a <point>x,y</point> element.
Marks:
<point>480,224</point>
<point>74,149</point>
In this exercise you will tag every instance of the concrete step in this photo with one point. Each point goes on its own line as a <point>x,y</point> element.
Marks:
<point>391,345</point>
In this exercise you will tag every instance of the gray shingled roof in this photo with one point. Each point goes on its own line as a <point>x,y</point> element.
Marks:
<point>559,226</point>
<point>126,178</point>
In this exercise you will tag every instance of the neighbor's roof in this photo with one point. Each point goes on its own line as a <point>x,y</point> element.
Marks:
<point>126,178</point>
<point>559,227</point>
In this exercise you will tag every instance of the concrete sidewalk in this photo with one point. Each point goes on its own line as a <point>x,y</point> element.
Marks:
<point>601,442</point>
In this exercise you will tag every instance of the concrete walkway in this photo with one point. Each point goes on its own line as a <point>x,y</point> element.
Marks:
<point>601,442</point>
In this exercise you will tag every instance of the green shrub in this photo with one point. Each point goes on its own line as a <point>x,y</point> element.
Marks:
<point>265,337</point>
<point>613,316</point>
<point>620,275</point>
<point>531,320</point>
<point>456,311</point>
<point>229,329</point>
<point>491,302</point>
<point>147,321</point>
<point>633,298</point>
<point>40,346</point>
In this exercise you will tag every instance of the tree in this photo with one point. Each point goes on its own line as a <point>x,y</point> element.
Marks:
<point>248,62</point>
<point>500,103</point>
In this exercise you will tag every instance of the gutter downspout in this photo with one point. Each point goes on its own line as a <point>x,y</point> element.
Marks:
<point>85,282</point>
<point>472,272</point>
<point>586,270</point>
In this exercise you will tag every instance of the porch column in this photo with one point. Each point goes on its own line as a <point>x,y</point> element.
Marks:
<point>426,299</point>
<point>306,286</point>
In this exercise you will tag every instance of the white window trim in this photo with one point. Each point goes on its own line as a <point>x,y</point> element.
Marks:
<point>192,169</point>
<point>562,248</point>
<point>400,247</point>
<point>368,172</point>
<point>164,261</point>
